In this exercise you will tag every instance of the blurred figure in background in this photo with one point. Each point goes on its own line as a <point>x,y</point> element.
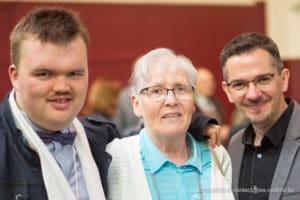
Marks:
<point>102,98</point>
<point>208,104</point>
<point>205,95</point>
<point>125,120</point>
<point>238,121</point>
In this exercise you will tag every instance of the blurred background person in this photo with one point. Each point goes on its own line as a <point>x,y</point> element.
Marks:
<point>125,119</point>
<point>102,98</point>
<point>206,101</point>
<point>208,104</point>
<point>238,121</point>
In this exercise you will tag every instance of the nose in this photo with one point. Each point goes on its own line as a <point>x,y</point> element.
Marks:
<point>252,91</point>
<point>170,98</point>
<point>61,84</point>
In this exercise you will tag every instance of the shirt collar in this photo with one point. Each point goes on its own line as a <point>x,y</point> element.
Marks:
<point>276,133</point>
<point>155,159</point>
<point>199,151</point>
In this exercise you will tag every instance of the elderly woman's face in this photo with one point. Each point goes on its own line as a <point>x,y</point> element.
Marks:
<point>168,116</point>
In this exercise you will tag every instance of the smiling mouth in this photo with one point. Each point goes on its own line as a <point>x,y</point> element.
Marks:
<point>171,115</point>
<point>256,107</point>
<point>61,100</point>
<point>60,103</point>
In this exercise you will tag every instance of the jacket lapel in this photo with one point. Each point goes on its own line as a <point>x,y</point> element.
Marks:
<point>287,155</point>
<point>236,152</point>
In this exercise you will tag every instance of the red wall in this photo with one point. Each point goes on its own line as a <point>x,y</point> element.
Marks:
<point>294,67</point>
<point>120,33</point>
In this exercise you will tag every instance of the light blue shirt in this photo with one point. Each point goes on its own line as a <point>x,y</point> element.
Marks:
<point>167,181</point>
<point>64,156</point>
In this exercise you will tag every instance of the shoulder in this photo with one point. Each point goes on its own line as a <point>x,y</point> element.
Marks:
<point>236,138</point>
<point>8,127</point>
<point>222,161</point>
<point>296,110</point>
<point>96,119</point>
<point>221,154</point>
<point>99,129</point>
<point>122,145</point>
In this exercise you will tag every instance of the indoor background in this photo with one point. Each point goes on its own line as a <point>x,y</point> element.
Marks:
<point>122,30</point>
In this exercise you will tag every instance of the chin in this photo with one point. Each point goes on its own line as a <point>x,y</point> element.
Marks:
<point>176,132</point>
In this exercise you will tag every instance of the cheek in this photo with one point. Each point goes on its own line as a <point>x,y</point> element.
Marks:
<point>82,90</point>
<point>189,108</point>
<point>32,90</point>
<point>151,112</point>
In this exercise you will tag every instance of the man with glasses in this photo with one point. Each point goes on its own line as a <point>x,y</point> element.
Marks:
<point>265,155</point>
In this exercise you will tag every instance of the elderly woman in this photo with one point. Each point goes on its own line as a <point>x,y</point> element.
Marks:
<point>164,161</point>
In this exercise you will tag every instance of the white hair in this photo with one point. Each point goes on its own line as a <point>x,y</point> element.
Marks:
<point>158,58</point>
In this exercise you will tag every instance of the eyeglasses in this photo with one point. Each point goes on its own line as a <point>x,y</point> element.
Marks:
<point>241,86</point>
<point>158,93</point>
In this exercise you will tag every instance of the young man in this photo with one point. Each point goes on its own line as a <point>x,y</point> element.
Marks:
<point>45,151</point>
<point>265,155</point>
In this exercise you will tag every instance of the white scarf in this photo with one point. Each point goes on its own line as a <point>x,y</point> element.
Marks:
<point>56,184</point>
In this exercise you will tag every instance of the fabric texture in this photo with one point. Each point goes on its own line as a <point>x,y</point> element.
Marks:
<point>56,184</point>
<point>286,178</point>
<point>127,180</point>
<point>167,180</point>
<point>66,138</point>
<point>20,170</point>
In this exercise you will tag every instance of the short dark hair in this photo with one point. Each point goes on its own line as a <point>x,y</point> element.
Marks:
<point>56,25</point>
<point>247,42</point>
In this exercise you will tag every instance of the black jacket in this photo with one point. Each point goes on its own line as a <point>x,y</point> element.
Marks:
<point>20,170</point>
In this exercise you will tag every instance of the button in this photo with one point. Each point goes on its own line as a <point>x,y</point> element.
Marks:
<point>19,197</point>
<point>259,155</point>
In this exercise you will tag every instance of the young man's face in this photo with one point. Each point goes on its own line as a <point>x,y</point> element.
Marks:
<point>262,101</point>
<point>51,81</point>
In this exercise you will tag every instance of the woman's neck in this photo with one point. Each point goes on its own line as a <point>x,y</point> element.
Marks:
<point>177,150</point>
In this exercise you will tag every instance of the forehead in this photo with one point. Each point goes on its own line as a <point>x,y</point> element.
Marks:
<point>34,53</point>
<point>167,74</point>
<point>249,64</point>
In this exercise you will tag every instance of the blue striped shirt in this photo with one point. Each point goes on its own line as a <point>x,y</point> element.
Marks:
<point>167,181</point>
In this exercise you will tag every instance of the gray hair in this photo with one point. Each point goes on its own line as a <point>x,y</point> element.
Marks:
<point>158,58</point>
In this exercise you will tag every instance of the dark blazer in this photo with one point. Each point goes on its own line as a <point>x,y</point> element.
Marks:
<point>20,170</point>
<point>286,179</point>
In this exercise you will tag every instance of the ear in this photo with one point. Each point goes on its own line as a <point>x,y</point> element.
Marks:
<point>14,76</point>
<point>285,76</point>
<point>226,90</point>
<point>136,105</point>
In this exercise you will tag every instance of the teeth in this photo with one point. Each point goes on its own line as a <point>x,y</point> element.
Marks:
<point>62,100</point>
<point>170,115</point>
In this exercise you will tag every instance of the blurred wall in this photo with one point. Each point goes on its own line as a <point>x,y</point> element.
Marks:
<point>122,32</point>
<point>282,24</point>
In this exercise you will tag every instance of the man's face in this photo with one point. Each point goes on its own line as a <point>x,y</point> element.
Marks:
<point>262,100</point>
<point>51,81</point>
